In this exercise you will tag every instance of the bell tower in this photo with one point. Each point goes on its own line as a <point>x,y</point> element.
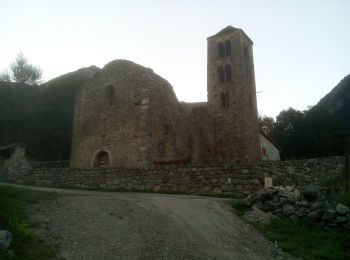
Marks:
<point>232,96</point>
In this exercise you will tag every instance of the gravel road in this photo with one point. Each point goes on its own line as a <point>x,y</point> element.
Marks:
<point>105,225</point>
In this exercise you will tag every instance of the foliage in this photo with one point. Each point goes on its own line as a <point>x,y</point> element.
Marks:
<point>40,116</point>
<point>306,241</point>
<point>13,217</point>
<point>337,102</point>
<point>22,72</point>
<point>306,134</point>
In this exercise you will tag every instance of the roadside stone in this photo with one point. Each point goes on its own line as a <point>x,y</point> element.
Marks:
<point>270,205</point>
<point>300,212</point>
<point>5,242</point>
<point>328,215</point>
<point>342,209</point>
<point>311,193</point>
<point>313,215</point>
<point>340,220</point>
<point>5,239</point>
<point>288,210</point>
<point>303,203</point>
<point>265,194</point>
<point>293,217</point>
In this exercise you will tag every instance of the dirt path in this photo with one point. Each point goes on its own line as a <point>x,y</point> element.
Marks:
<point>105,225</point>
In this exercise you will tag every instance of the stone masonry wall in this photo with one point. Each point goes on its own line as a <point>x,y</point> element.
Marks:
<point>304,172</point>
<point>234,179</point>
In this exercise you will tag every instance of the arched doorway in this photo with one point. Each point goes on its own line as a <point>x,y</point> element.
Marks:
<point>102,159</point>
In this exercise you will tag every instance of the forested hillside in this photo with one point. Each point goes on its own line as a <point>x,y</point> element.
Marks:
<point>337,102</point>
<point>322,130</point>
<point>41,116</point>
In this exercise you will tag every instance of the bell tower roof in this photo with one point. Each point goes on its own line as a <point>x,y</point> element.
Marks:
<point>231,29</point>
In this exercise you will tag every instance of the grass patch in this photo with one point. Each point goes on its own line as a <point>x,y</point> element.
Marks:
<point>240,207</point>
<point>308,242</point>
<point>301,239</point>
<point>13,217</point>
<point>339,195</point>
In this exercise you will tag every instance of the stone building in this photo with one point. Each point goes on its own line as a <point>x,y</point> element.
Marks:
<point>128,116</point>
<point>12,156</point>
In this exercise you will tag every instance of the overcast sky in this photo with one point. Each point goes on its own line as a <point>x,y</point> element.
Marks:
<point>301,48</point>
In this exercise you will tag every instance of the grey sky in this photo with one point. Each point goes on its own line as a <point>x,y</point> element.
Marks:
<point>301,48</point>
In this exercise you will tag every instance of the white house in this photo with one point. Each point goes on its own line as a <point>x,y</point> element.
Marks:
<point>269,149</point>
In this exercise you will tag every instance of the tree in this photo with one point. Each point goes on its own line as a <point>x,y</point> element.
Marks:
<point>266,123</point>
<point>22,72</point>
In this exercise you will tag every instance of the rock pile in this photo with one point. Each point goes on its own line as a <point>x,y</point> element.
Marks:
<point>5,241</point>
<point>309,204</point>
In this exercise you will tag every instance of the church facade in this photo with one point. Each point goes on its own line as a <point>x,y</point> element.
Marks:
<point>128,116</point>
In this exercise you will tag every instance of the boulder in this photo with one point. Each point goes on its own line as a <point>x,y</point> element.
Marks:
<point>288,210</point>
<point>313,215</point>
<point>270,205</point>
<point>5,239</point>
<point>342,209</point>
<point>303,203</point>
<point>300,212</point>
<point>328,215</point>
<point>311,193</point>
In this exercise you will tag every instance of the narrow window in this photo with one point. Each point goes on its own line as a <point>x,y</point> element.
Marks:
<point>221,75</point>
<point>227,47</point>
<point>223,100</point>
<point>246,52</point>
<point>227,99</point>
<point>221,50</point>
<point>228,73</point>
<point>110,94</point>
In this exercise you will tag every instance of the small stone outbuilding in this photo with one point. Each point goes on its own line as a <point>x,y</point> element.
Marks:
<point>12,156</point>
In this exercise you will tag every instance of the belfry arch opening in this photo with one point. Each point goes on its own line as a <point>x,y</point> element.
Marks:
<point>102,159</point>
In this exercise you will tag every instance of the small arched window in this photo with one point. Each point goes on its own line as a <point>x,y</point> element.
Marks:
<point>221,75</point>
<point>228,73</point>
<point>221,50</point>
<point>227,47</point>
<point>110,94</point>
<point>102,159</point>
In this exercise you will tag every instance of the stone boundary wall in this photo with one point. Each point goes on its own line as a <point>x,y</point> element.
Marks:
<point>235,179</point>
<point>304,172</point>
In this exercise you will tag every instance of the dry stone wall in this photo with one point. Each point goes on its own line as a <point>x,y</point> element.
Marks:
<point>303,172</point>
<point>236,179</point>
<point>189,178</point>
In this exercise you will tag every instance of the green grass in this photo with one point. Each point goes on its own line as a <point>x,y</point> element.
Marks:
<point>240,207</point>
<point>13,217</point>
<point>302,239</point>
<point>308,242</point>
<point>341,196</point>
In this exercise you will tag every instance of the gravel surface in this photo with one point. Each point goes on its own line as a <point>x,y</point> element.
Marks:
<point>104,225</point>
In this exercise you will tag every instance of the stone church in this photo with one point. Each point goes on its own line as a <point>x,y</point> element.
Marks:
<point>128,116</point>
